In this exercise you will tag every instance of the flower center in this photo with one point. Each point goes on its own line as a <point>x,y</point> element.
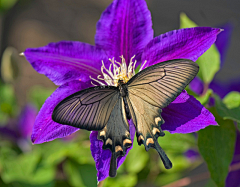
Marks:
<point>117,71</point>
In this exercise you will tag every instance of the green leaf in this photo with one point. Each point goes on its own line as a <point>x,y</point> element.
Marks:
<point>185,22</point>
<point>226,113</point>
<point>134,165</point>
<point>177,143</point>
<point>61,183</point>
<point>204,99</point>
<point>84,175</point>
<point>216,145</point>
<point>23,168</point>
<point>8,106</point>
<point>238,126</point>
<point>210,183</point>
<point>55,152</point>
<point>121,181</point>
<point>6,4</point>
<point>2,184</point>
<point>209,62</point>
<point>24,184</point>
<point>180,163</point>
<point>232,100</point>
<point>167,178</point>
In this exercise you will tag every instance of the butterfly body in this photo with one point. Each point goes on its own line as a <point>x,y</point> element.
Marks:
<point>108,109</point>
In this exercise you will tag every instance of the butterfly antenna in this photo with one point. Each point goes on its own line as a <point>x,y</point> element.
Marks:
<point>113,165</point>
<point>167,163</point>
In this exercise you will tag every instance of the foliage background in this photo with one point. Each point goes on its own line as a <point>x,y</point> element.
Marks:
<point>68,162</point>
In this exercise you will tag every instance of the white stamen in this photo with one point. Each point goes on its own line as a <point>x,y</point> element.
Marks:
<point>102,84</point>
<point>93,84</point>
<point>142,65</point>
<point>117,71</point>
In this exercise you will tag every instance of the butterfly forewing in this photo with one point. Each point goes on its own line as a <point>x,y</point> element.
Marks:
<point>162,83</point>
<point>87,109</point>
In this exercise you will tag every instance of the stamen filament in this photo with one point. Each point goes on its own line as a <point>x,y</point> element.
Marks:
<point>117,71</point>
<point>142,65</point>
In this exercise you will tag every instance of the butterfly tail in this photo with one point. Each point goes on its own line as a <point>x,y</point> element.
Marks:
<point>167,163</point>
<point>151,142</point>
<point>113,165</point>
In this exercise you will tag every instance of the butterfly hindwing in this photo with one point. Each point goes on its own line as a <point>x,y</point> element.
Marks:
<point>148,125</point>
<point>102,109</point>
<point>115,135</point>
<point>153,89</point>
<point>87,109</point>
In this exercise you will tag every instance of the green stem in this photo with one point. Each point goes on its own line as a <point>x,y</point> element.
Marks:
<point>205,88</point>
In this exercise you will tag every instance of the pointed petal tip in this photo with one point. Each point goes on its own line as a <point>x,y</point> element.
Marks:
<point>21,54</point>
<point>33,141</point>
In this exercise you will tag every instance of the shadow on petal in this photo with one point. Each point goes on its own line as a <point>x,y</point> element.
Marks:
<point>186,115</point>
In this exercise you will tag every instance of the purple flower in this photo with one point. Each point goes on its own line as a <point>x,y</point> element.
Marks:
<point>192,155</point>
<point>124,29</point>
<point>19,130</point>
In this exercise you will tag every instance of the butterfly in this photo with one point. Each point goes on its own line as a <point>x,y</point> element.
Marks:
<point>107,109</point>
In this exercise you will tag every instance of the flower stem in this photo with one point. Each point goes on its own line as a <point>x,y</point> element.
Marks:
<point>100,184</point>
<point>205,88</point>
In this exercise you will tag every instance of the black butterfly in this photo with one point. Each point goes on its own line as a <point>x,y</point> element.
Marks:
<point>107,109</point>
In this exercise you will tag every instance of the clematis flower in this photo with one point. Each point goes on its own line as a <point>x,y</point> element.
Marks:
<point>192,155</point>
<point>124,34</point>
<point>19,131</point>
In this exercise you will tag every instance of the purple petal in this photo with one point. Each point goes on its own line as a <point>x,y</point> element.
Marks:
<point>211,102</point>
<point>9,133</point>
<point>192,155</point>
<point>124,28</point>
<point>222,89</point>
<point>103,157</point>
<point>185,115</point>
<point>26,120</point>
<point>233,178</point>
<point>45,129</point>
<point>188,43</point>
<point>196,85</point>
<point>66,61</point>
<point>223,41</point>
